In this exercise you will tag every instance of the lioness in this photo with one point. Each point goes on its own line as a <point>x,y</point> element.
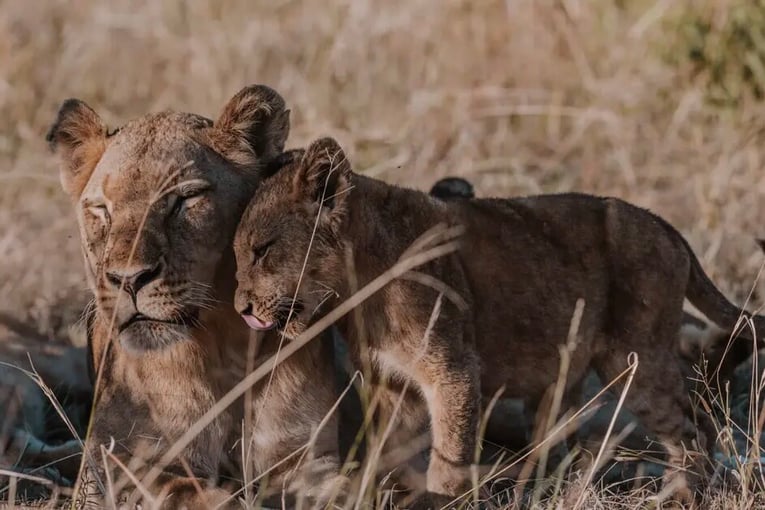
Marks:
<point>522,266</point>
<point>157,202</point>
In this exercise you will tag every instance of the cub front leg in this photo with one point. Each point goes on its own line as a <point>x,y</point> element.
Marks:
<point>452,392</point>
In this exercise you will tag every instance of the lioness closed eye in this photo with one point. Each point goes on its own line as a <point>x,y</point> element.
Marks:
<point>522,266</point>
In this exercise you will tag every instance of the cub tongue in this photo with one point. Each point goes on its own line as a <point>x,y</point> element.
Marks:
<point>256,323</point>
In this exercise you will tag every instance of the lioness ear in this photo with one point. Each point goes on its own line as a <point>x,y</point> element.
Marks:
<point>253,126</point>
<point>324,176</point>
<point>78,136</point>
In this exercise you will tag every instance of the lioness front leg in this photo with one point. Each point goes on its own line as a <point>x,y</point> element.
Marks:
<point>452,393</point>
<point>193,494</point>
<point>168,492</point>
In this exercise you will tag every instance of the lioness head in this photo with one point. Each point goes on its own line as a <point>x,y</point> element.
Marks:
<point>157,203</point>
<point>289,253</point>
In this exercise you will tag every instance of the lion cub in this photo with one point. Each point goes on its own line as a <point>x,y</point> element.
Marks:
<point>521,267</point>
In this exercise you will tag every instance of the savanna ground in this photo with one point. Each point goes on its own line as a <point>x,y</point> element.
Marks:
<point>655,101</point>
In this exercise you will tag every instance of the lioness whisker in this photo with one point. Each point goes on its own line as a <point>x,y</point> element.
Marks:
<point>203,299</point>
<point>203,285</point>
<point>88,313</point>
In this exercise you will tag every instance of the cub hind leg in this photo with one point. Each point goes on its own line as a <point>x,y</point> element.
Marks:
<point>658,396</point>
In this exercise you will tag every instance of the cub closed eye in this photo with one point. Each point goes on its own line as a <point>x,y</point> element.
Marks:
<point>177,207</point>
<point>261,251</point>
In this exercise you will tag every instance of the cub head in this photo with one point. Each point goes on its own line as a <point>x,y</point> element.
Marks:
<point>157,203</point>
<point>289,248</point>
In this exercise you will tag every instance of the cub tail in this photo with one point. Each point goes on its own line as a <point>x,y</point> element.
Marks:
<point>705,296</point>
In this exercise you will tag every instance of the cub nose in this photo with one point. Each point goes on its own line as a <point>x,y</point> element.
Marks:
<point>134,278</point>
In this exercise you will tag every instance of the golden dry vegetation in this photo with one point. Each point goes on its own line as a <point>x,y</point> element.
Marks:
<point>520,97</point>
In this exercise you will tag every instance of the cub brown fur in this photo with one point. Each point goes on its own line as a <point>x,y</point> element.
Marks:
<point>157,204</point>
<point>522,266</point>
<point>708,354</point>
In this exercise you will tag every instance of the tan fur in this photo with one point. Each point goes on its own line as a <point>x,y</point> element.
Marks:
<point>80,136</point>
<point>157,203</point>
<point>522,265</point>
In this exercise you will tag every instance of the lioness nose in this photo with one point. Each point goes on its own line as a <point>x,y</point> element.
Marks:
<point>134,278</point>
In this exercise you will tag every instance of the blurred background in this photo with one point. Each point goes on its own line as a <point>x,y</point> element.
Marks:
<point>657,102</point>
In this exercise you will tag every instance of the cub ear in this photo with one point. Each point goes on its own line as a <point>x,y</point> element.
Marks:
<point>78,137</point>
<point>324,175</point>
<point>253,126</point>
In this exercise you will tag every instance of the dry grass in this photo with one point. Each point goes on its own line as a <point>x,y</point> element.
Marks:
<point>519,96</point>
